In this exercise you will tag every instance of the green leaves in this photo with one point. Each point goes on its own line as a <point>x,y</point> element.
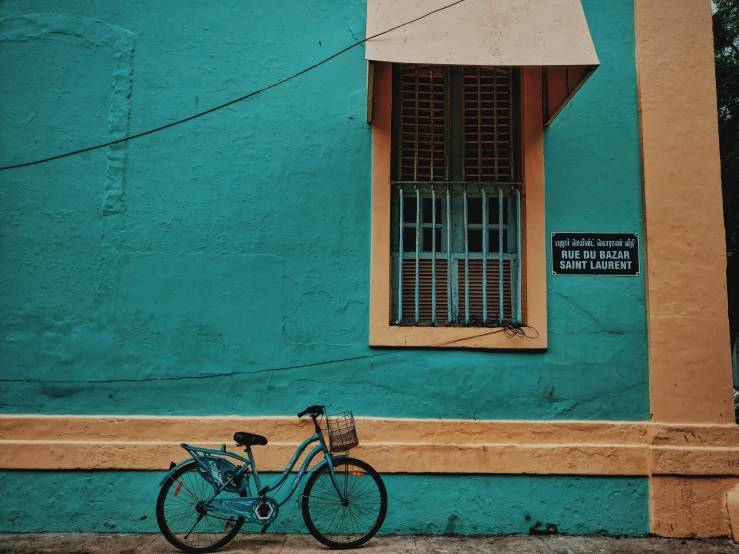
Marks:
<point>726,50</point>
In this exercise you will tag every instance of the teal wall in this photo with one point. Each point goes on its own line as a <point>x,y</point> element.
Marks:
<point>172,274</point>
<point>239,242</point>
<point>419,504</point>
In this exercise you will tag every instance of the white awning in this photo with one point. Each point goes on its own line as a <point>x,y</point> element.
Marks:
<point>549,33</point>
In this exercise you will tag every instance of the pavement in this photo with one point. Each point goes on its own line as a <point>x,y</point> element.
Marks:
<point>71,543</point>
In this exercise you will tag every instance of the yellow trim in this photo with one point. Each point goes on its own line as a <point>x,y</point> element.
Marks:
<point>532,231</point>
<point>285,429</point>
<point>689,355</point>
<point>391,445</point>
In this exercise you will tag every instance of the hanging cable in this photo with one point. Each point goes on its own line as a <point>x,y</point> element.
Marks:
<point>508,328</point>
<point>225,105</point>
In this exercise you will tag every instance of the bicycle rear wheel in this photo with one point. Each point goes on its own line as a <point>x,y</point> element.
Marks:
<point>182,517</point>
<point>346,524</point>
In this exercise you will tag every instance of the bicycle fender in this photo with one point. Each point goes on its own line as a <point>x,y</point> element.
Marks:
<point>311,472</point>
<point>175,468</point>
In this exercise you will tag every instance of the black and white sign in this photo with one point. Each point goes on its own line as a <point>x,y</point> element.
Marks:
<point>595,254</point>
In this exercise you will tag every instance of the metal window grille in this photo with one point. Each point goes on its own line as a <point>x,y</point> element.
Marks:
<point>456,206</point>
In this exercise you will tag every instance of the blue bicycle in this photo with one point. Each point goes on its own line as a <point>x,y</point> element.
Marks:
<point>204,500</point>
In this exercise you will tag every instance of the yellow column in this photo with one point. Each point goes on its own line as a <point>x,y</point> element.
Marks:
<point>689,355</point>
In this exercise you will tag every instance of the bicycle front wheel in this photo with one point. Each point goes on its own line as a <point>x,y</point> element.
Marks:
<point>352,522</point>
<point>183,519</point>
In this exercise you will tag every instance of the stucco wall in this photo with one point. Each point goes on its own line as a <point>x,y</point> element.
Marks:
<point>239,242</point>
<point>170,275</point>
<point>123,502</point>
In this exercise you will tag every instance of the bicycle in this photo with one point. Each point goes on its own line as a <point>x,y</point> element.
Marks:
<point>205,499</point>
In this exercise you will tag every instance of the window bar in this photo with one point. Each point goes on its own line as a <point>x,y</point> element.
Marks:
<point>512,121</point>
<point>399,121</point>
<point>505,185</point>
<point>449,253</point>
<point>495,120</point>
<point>433,199</point>
<point>500,249</point>
<point>518,253</point>
<point>466,264</point>
<point>448,90</point>
<point>418,245</point>
<point>400,257</point>
<point>479,125</point>
<point>433,255</point>
<point>484,255</point>
<point>456,126</point>
<point>433,130</point>
<point>415,139</point>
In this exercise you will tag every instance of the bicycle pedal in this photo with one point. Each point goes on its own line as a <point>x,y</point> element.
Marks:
<point>264,529</point>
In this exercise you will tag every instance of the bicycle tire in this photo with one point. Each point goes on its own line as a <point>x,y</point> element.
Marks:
<point>308,500</point>
<point>170,535</point>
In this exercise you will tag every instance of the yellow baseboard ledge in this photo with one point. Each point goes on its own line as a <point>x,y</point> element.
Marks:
<point>392,445</point>
<point>385,457</point>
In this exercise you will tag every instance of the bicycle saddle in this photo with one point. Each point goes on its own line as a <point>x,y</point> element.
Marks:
<point>243,438</point>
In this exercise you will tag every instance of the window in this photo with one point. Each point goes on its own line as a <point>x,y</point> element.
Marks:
<point>456,196</point>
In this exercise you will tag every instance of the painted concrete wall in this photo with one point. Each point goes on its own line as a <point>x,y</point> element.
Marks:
<point>172,275</point>
<point>239,242</point>
<point>124,502</point>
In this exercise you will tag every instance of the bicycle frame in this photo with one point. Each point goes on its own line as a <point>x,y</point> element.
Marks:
<point>247,506</point>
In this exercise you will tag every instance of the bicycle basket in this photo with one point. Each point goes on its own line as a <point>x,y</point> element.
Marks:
<point>342,435</point>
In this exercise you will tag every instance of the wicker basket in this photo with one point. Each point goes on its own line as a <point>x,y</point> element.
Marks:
<point>342,435</point>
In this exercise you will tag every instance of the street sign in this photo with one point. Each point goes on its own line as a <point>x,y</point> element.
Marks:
<point>614,254</point>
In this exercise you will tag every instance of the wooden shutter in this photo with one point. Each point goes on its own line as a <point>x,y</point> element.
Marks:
<point>493,291</point>
<point>425,289</point>
<point>422,122</point>
<point>488,152</point>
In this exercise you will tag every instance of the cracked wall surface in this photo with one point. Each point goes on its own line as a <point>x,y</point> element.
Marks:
<point>239,242</point>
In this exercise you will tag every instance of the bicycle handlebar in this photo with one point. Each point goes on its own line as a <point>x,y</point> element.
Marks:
<point>312,410</point>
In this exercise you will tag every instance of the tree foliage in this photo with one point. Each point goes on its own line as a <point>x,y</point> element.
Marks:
<point>726,49</point>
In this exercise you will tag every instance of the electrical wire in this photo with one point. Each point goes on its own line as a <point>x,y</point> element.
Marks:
<point>226,104</point>
<point>509,328</point>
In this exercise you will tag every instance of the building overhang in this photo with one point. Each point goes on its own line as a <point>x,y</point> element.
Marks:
<point>515,33</point>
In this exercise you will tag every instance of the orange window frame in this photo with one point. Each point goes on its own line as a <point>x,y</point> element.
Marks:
<point>533,255</point>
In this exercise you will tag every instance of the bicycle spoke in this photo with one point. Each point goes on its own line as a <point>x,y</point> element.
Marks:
<point>343,522</point>
<point>324,499</point>
<point>185,513</point>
